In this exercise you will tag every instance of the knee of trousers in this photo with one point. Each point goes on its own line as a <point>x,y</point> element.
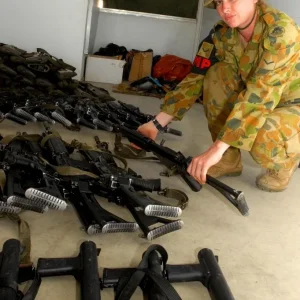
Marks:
<point>220,82</point>
<point>269,151</point>
<point>264,149</point>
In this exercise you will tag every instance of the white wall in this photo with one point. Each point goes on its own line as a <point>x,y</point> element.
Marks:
<point>91,26</point>
<point>143,33</point>
<point>210,17</point>
<point>58,26</point>
<point>94,28</point>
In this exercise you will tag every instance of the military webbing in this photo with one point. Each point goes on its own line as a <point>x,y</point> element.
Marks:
<point>127,151</point>
<point>24,230</point>
<point>48,137</point>
<point>176,194</point>
<point>69,171</point>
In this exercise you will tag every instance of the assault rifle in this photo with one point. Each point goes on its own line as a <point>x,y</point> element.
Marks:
<point>73,110</point>
<point>178,162</point>
<point>153,274</point>
<point>40,174</point>
<point>103,177</point>
<point>76,184</point>
<point>24,109</point>
<point>83,113</point>
<point>121,187</point>
<point>29,183</point>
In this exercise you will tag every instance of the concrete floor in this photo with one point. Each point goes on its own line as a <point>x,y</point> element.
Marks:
<point>259,254</point>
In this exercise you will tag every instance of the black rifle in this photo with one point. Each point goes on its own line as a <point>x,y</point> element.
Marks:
<point>11,273</point>
<point>84,268</point>
<point>177,161</point>
<point>40,174</point>
<point>11,111</point>
<point>23,109</point>
<point>153,274</point>
<point>117,186</point>
<point>22,166</point>
<point>73,110</point>
<point>77,184</point>
<point>84,114</point>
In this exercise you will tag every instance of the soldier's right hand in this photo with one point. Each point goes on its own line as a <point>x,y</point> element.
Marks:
<point>149,130</point>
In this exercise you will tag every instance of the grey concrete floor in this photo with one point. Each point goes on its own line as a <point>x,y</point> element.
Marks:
<point>259,254</point>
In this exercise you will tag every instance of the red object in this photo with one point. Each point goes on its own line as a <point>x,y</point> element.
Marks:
<point>202,62</point>
<point>171,68</point>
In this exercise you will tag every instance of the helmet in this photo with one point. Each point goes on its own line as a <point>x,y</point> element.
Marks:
<point>209,4</point>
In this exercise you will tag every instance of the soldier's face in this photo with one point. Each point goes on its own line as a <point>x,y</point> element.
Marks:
<point>236,13</point>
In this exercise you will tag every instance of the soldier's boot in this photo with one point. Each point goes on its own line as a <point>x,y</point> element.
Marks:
<point>229,165</point>
<point>276,181</point>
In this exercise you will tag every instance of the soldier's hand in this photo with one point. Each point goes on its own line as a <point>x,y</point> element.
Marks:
<point>148,130</point>
<point>200,164</point>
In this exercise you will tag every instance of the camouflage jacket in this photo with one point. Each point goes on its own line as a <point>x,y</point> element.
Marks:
<point>269,66</point>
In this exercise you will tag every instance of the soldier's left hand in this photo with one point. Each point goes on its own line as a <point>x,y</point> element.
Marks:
<point>200,164</point>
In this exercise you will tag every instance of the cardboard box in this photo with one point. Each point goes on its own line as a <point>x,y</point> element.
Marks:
<point>104,69</point>
<point>141,66</point>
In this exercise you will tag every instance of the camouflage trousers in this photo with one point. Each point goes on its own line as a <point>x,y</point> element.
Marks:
<point>277,143</point>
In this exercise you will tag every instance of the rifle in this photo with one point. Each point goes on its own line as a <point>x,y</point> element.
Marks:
<point>83,113</point>
<point>92,115</point>
<point>115,184</point>
<point>177,161</point>
<point>40,174</point>
<point>76,178</point>
<point>24,109</point>
<point>99,174</point>
<point>153,274</point>
<point>84,268</point>
<point>10,110</point>
<point>19,160</point>
<point>82,109</point>
<point>33,186</point>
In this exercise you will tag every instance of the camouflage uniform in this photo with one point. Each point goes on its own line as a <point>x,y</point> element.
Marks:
<point>251,94</point>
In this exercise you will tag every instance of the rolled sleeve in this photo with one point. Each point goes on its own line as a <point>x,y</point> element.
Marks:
<point>178,102</point>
